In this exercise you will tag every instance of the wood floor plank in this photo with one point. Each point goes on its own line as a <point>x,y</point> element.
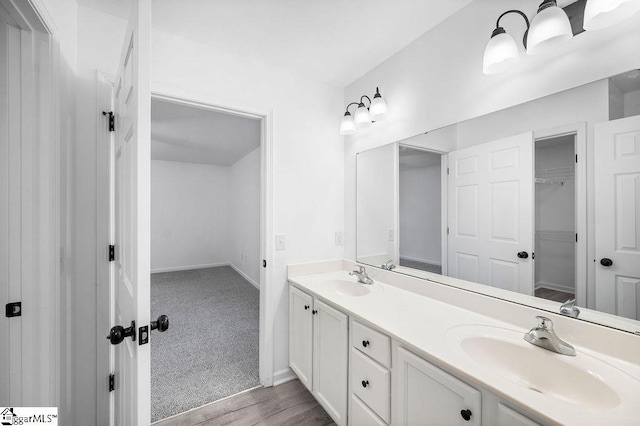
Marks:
<point>286,404</point>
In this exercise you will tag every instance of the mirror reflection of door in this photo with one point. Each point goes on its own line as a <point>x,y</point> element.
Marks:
<point>420,193</point>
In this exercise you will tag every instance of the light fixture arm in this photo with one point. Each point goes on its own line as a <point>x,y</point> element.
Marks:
<point>352,103</point>
<point>500,30</point>
<point>368,98</point>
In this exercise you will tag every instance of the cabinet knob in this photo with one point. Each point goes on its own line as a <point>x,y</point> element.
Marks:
<point>314,311</point>
<point>466,414</point>
<point>306,307</point>
<point>365,343</point>
<point>365,383</point>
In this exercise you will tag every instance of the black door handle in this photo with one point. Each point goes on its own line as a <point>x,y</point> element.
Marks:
<point>119,333</point>
<point>523,255</point>
<point>605,261</point>
<point>466,414</point>
<point>161,324</point>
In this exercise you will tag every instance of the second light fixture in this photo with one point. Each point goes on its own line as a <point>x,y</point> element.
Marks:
<point>364,116</point>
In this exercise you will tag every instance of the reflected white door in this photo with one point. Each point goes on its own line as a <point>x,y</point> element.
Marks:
<point>132,214</point>
<point>490,213</point>
<point>617,197</point>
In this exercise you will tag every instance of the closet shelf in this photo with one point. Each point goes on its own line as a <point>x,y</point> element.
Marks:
<point>560,236</point>
<point>555,175</point>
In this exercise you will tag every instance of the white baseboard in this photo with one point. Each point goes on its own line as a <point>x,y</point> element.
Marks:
<point>283,376</point>
<point>416,259</point>
<point>245,276</point>
<point>188,268</point>
<point>552,286</point>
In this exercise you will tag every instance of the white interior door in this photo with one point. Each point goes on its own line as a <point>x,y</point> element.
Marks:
<point>132,106</point>
<point>617,198</point>
<point>490,213</point>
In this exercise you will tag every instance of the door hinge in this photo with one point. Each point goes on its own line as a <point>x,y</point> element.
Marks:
<point>13,309</point>
<point>576,237</point>
<point>447,230</point>
<point>576,158</point>
<point>111,125</point>
<point>447,170</point>
<point>112,253</point>
<point>112,382</point>
<point>264,263</point>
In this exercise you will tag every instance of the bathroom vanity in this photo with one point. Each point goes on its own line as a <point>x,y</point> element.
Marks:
<point>405,351</point>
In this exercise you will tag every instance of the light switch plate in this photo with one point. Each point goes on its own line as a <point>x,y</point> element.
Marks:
<point>339,238</point>
<point>280,242</point>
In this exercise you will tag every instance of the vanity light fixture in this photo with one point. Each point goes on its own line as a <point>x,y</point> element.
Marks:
<point>549,27</point>
<point>600,14</point>
<point>364,116</point>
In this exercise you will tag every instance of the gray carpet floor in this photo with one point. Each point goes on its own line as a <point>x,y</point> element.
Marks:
<point>210,350</point>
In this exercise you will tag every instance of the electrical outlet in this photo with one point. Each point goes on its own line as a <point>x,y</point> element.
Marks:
<point>280,242</point>
<point>391,234</point>
<point>339,238</point>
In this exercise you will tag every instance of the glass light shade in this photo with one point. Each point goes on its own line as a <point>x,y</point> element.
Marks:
<point>347,125</point>
<point>600,14</point>
<point>501,52</point>
<point>548,28</point>
<point>378,108</point>
<point>362,117</point>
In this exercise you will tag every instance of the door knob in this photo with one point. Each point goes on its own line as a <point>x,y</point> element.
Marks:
<point>466,414</point>
<point>119,333</point>
<point>523,255</point>
<point>606,262</point>
<point>161,324</point>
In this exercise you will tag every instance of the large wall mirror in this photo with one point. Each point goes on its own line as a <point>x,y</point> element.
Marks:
<point>538,203</point>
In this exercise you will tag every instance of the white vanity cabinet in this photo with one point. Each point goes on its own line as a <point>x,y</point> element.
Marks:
<point>426,395</point>
<point>318,351</point>
<point>369,376</point>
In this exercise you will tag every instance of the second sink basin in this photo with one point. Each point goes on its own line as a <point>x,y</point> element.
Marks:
<point>349,288</point>
<point>581,380</point>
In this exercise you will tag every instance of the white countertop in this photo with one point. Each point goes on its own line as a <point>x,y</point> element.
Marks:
<point>423,324</point>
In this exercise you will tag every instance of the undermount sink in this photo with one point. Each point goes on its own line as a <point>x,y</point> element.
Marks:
<point>349,288</point>
<point>581,380</point>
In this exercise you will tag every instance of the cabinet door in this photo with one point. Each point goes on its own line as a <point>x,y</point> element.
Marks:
<point>508,417</point>
<point>426,395</point>
<point>330,356</point>
<point>300,334</point>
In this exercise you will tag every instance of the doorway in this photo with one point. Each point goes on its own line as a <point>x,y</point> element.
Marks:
<point>555,218</point>
<point>205,254</point>
<point>420,209</point>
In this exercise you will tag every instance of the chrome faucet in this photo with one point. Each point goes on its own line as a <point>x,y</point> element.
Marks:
<point>544,337</point>
<point>389,266</point>
<point>569,309</point>
<point>362,275</point>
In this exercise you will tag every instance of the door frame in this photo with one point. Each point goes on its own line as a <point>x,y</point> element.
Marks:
<point>580,148</point>
<point>267,307</point>
<point>267,310</point>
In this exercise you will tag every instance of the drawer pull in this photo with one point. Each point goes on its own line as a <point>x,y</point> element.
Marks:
<point>314,311</point>
<point>306,307</point>
<point>365,343</point>
<point>466,414</point>
<point>365,383</point>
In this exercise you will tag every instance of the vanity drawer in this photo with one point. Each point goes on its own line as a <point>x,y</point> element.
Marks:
<point>372,383</point>
<point>361,415</point>
<point>372,343</point>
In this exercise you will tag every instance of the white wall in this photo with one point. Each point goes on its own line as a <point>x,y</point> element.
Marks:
<point>244,247</point>
<point>190,215</point>
<point>420,214</point>
<point>376,201</point>
<point>437,80</point>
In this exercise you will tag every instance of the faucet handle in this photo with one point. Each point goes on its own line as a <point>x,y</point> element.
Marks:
<point>569,303</point>
<point>544,323</point>
<point>361,269</point>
